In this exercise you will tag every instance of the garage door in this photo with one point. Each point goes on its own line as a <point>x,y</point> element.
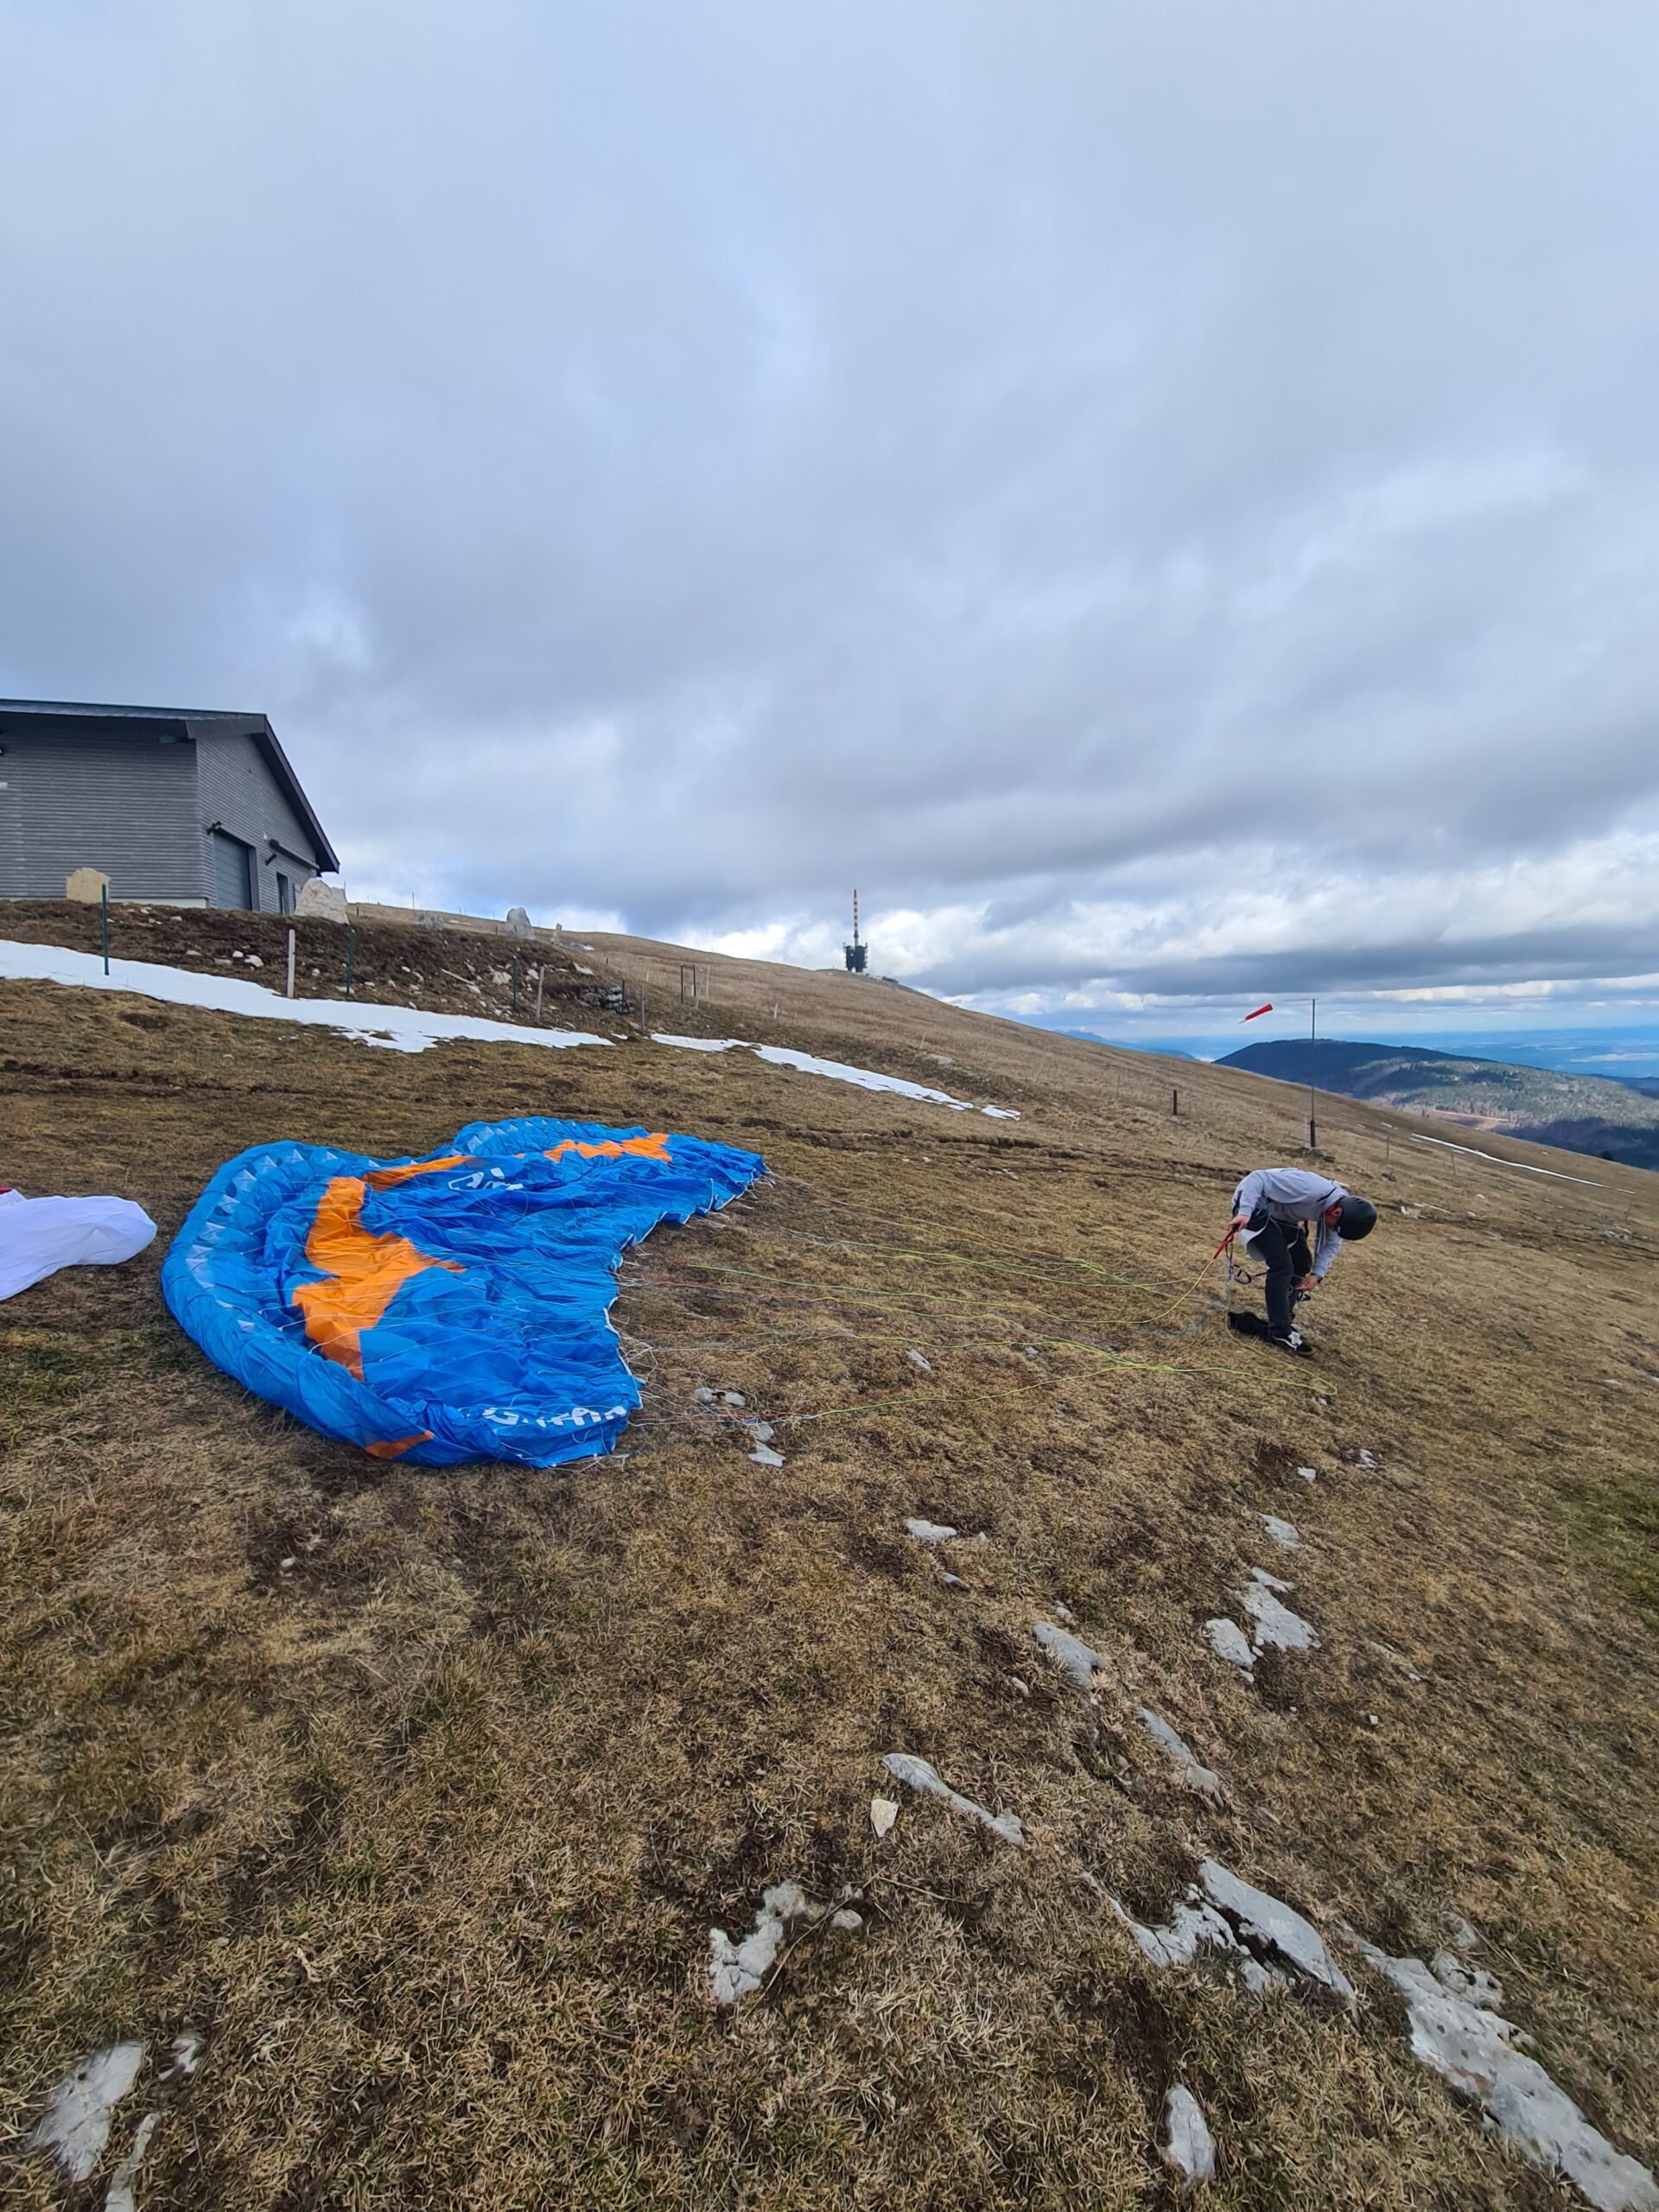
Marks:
<point>232,870</point>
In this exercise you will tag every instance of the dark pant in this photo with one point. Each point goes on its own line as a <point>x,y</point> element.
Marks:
<point>1282,1248</point>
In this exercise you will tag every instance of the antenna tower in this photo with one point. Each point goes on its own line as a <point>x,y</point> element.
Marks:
<point>857,954</point>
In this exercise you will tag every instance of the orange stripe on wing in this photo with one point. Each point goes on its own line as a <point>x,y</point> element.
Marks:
<point>382,1179</point>
<point>654,1146</point>
<point>363,1273</point>
<point>395,1449</point>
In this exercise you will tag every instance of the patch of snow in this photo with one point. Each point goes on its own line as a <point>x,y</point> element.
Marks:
<point>785,1056</point>
<point>1275,1924</point>
<point>918,1774</point>
<point>883,1813</point>
<point>1228,1641</point>
<point>1492,1160</point>
<point>75,2125</point>
<point>929,1532</point>
<point>763,1456</point>
<point>1275,1624</point>
<point>736,1969</point>
<point>733,1398</point>
<point>1308,1474</point>
<point>1065,1613</point>
<point>1071,1655</point>
<point>917,1361</point>
<point>1473,2050</point>
<point>1196,1777</point>
<point>405,1028</point>
<point>1189,2147</point>
<point>1363,1458</point>
<point>952,1582</point>
<point>1282,1532</point>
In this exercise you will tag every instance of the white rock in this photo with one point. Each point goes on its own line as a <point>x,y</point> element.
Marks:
<point>517,923</point>
<point>916,1360</point>
<point>1275,1624</point>
<point>120,2197</point>
<point>1276,1924</point>
<point>1189,2147</point>
<point>1228,1641</point>
<point>1308,1474</point>
<point>76,2124</point>
<point>883,1813</point>
<point>1196,1777</point>
<point>763,1456</point>
<point>930,1532</point>
<point>1193,1927</point>
<point>918,1774</point>
<point>253,960</point>
<point>1071,1654</point>
<point>1473,2050</point>
<point>320,902</point>
<point>846,1920</point>
<point>733,1398</point>
<point>1365,1459</point>
<point>735,1970</point>
<point>1282,1532</point>
<point>1065,1613</point>
<point>1472,1982</point>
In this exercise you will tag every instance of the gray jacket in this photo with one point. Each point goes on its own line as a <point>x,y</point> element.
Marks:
<point>1294,1195</point>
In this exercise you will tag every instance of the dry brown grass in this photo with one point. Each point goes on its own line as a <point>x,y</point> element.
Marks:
<point>420,1792</point>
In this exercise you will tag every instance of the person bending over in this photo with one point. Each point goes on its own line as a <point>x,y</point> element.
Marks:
<point>1275,1208</point>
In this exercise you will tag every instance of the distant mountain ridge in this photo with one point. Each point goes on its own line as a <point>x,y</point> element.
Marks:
<point>1594,1113</point>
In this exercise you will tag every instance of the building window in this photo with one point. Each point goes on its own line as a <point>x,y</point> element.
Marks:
<point>232,870</point>
<point>284,894</point>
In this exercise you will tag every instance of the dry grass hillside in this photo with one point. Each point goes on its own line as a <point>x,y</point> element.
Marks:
<point>417,1796</point>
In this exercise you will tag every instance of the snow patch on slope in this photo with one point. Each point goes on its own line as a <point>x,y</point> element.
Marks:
<point>397,1028</point>
<point>785,1056</point>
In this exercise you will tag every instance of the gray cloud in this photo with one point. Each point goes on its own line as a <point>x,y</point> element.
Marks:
<point>677,464</point>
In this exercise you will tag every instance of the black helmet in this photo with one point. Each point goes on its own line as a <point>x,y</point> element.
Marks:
<point>1356,1217</point>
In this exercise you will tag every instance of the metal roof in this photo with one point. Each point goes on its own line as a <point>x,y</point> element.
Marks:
<point>258,726</point>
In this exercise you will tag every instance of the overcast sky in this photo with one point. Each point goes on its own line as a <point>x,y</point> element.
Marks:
<point>1163,496</point>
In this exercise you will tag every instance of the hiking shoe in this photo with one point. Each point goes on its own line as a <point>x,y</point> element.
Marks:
<point>1293,1341</point>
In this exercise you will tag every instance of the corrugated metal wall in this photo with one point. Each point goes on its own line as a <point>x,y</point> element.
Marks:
<point>235,790</point>
<point>127,806</point>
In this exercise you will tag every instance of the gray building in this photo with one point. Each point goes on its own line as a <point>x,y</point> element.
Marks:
<point>172,805</point>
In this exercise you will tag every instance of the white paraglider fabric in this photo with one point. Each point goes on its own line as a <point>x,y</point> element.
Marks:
<point>39,1235</point>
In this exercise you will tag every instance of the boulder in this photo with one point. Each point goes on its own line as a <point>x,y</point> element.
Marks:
<point>322,902</point>
<point>87,884</point>
<point>517,923</point>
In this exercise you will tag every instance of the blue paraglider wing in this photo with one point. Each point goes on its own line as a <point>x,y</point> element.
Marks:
<point>447,1309</point>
